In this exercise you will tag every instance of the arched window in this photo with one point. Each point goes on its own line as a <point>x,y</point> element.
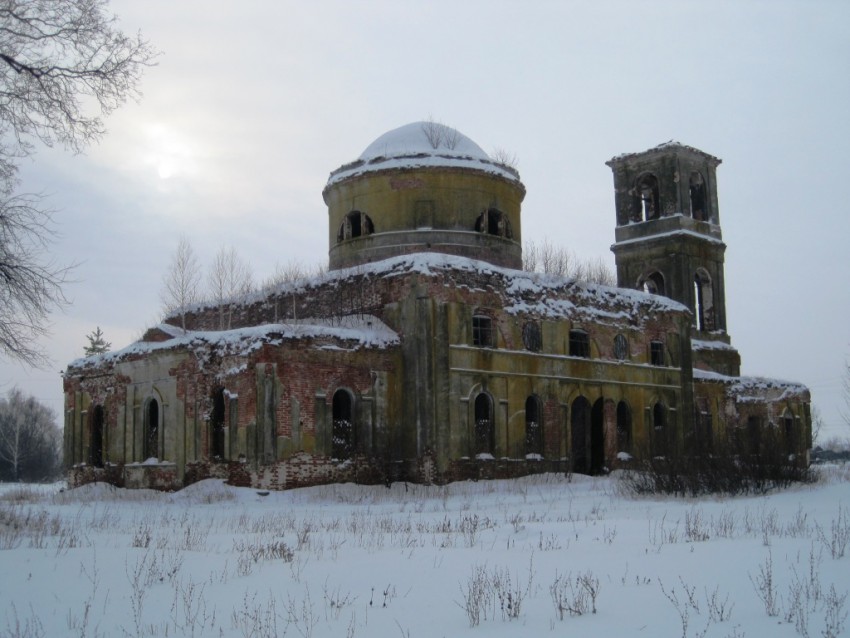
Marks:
<point>151,430</point>
<point>699,210</point>
<point>355,224</point>
<point>579,344</point>
<point>96,447</point>
<point>533,426</point>
<point>342,434</point>
<point>532,339</point>
<point>624,427</point>
<point>704,301</point>
<point>217,425</point>
<point>659,429</point>
<point>494,222</point>
<point>485,430</point>
<point>646,191</point>
<point>621,347</point>
<point>653,283</point>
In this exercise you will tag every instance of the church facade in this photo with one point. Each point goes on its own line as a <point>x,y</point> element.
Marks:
<point>427,354</point>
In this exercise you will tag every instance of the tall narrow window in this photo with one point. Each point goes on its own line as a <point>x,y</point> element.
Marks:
<point>704,301</point>
<point>151,430</point>
<point>217,425</point>
<point>533,426</point>
<point>485,430</point>
<point>697,195</point>
<point>342,434</point>
<point>579,344</point>
<point>96,448</point>
<point>579,434</point>
<point>656,353</point>
<point>482,331</point>
<point>646,190</point>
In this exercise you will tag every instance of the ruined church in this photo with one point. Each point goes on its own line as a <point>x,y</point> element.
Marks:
<point>426,353</point>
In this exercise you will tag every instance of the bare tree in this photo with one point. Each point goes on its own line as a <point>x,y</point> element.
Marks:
<point>29,439</point>
<point>557,260</point>
<point>30,284</point>
<point>64,67</point>
<point>181,283</point>
<point>229,279</point>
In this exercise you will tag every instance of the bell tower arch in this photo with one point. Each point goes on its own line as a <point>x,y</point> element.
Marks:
<point>668,240</point>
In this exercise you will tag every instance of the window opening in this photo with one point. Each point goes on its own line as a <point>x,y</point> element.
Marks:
<point>96,453</point>
<point>484,427</point>
<point>355,224</point>
<point>532,339</point>
<point>533,426</point>
<point>621,347</point>
<point>482,331</point>
<point>342,435</point>
<point>579,344</point>
<point>656,353</point>
<point>647,192</point>
<point>697,195</point>
<point>703,296</point>
<point>494,222</point>
<point>151,442</point>
<point>217,425</point>
<point>653,284</point>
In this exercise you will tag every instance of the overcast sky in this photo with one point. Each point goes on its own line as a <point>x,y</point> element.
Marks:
<point>253,103</point>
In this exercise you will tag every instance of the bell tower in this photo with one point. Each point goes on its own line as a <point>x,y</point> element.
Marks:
<point>668,240</point>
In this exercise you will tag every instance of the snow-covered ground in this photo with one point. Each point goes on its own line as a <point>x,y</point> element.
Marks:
<point>531,557</point>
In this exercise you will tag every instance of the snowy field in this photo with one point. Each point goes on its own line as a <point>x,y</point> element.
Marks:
<point>534,557</point>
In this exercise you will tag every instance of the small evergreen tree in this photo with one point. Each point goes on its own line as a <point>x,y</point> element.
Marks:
<point>97,344</point>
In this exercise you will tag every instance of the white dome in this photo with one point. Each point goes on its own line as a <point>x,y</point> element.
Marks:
<point>430,138</point>
<point>422,145</point>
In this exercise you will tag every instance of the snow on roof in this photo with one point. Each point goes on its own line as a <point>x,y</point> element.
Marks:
<point>364,330</point>
<point>671,145</point>
<point>753,388</point>
<point>546,295</point>
<point>698,344</point>
<point>418,145</point>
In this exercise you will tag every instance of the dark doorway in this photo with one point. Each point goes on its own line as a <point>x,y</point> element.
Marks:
<point>485,430</point>
<point>151,443</point>
<point>597,438</point>
<point>217,425</point>
<point>342,437</point>
<point>580,426</point>
<point>96,450</point>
